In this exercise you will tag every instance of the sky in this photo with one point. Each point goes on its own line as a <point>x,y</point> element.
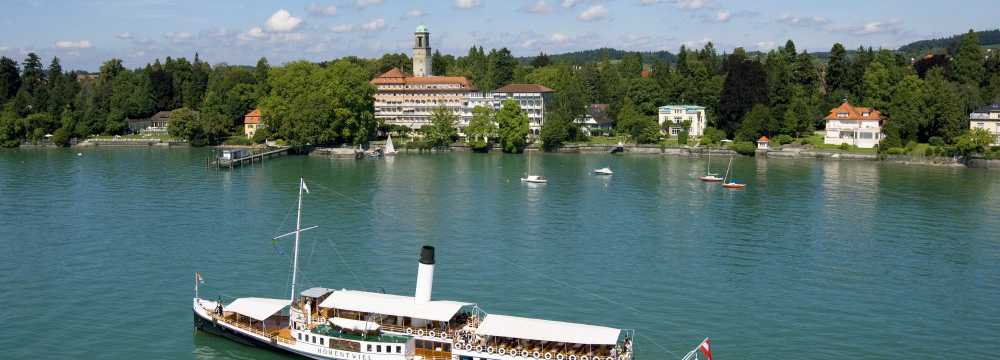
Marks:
<point>84,33</point>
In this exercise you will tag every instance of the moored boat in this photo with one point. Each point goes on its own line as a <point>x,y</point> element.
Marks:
<point>604,171</point>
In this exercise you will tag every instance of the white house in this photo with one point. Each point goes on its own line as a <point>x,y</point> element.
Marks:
<point>858,126</point>
<point>987,117</point>
<point>676,115</point>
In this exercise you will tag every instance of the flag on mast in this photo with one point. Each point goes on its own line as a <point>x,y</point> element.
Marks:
<point>706,348</point>
<point>201,280</point>
<point>304,187</point>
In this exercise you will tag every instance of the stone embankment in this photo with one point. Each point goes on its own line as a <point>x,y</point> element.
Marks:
<point>131,142</point>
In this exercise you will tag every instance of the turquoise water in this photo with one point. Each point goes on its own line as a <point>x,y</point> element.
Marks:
<point>817,259</point>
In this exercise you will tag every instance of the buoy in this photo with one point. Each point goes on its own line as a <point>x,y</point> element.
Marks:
<point>79,154</point>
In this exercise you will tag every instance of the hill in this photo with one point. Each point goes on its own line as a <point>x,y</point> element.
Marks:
<point>596,55</point>
<point>988,38</point>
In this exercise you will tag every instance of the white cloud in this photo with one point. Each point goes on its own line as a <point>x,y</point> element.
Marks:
<point>696,44</point>
<point>870,28</point>
<point>539,41</point>
<point>569,3</point>
<point>723,16</point>
<point>415,13</point>
<point>321,10</point>
<point>366,3</point>
<point>595,12</point>
<point>692,4</point>
<point>466,4</point>
<point>282,21</point>
<point>179,37</point>
<point>373,25</point>
<point>4,48</point>
<point>256,33</point>
<point>803,21</point>
<point>344,28</point>
<point>124,36</point>
<point>559,38</point>
<point>765,45</point>
<point>538,7</point>
<point>67,44</point>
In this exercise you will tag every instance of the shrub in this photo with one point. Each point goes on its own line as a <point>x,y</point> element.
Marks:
<point>936,141</point>
<point>784,139</point>
<point>712,136</point>
<point>896,151</point>
<point>744,148</point>
<point>61,137</point>
<point>845,146</point>
<point>910,145</point>
<point>237,140</point>
<point>682,137</point>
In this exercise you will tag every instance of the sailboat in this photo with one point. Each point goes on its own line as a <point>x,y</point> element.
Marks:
<point>728,182</point>
<point>537,179</point>
<point>389,149</point>
<point>604,171</point>
<point>341,324</point>
<point>709,175</point>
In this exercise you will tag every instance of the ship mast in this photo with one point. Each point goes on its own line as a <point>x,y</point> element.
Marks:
<point>297,232</point>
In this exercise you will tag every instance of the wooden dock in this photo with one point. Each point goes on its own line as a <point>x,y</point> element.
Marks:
<point>255,157</point>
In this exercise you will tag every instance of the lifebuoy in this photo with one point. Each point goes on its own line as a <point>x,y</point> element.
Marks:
<point>468,347</point>
<point>572,357</point>
<point>430,333</point>
<point>420,332</point>
<point>490,349</point>
<point>560,357</point>
<point>524,353</point>
<point>409,331</point>
<point>584,357</point>
<point>479,348</point>
<point>536,355</point>
<point>502,351</point>
<point>548,356</point>
<point>621,357</point>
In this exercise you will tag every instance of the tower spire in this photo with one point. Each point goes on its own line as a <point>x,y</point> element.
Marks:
<point>422,52</point>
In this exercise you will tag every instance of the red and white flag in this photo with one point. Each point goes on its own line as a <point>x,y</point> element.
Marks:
<point>705,348</point>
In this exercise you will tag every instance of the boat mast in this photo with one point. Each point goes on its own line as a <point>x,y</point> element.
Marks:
<point>298,231</point>
<point>730,166</point>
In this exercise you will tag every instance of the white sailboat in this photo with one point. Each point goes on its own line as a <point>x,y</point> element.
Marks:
<point>324,323</point>
<point>709,176</point>
<point>389,149</point>
<point>529,178</point>
<point>728,182</point>
<point>604,171</point>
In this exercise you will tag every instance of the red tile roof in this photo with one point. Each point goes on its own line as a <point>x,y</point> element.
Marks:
<point>396,76</point>
<point>252,117</point>
<point>524,88</point>
<point>763,139</point>
<point>856,113</point>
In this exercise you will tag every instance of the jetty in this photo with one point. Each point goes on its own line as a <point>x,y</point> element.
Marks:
<point>234,158</point>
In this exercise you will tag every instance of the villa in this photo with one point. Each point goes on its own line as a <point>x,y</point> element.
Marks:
<point>251,123</point>
<point>677,115</point>
<point>852,125</point>
<point>987,117</point>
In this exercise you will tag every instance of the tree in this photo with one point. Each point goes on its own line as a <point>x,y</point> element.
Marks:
<point>974,141</point>
<point>10,79</point>
<point>310,104</point>
<point>641,128</point>
<point>754,124</point>
<point>906,114</point>
<point>499,69</point>
<point>540,61</point>
<point>554,132</point>
<point>481,128</point>
<point>945,108</point>
<point>631,65</point>
<point>744,87</point>
<point>186,124</point>
<point>442,131</point>
<point>800,114</point>
<point>968,65</point>
<point>513,127</point>
<point>11,128</point>
<point>838,70</point>
<point>877,86</point>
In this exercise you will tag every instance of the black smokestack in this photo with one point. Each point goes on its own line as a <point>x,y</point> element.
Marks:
<point>427,255</point>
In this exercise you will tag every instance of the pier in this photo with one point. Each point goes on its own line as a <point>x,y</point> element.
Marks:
<point>249,156</point>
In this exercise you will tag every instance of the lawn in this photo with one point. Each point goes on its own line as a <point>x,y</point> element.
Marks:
<point>816,140</point>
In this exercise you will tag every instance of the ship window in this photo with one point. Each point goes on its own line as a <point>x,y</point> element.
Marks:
<point>399,349</point>
<point>314,339</point>
<point>300,336</point>
<point>369,347</point>
<point>321,341</point>
<point>378,348</point>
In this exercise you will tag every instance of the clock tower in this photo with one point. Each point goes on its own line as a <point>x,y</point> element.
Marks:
<point>422,52</point>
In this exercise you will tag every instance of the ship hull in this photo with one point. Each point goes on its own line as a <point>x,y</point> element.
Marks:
<point>214,328</point>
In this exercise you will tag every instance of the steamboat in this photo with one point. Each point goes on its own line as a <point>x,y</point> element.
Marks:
<point>322,323</point>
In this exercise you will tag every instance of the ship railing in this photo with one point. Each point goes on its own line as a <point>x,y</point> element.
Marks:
<point>250,328</point>
<point>539,352</point>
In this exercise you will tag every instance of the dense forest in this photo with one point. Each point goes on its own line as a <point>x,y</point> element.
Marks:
<point>922,47</point>
<point>781,92</point>
<point>596,55</point>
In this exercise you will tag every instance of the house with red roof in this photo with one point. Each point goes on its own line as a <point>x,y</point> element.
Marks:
<point>252,123</point>
<point>853,125</point>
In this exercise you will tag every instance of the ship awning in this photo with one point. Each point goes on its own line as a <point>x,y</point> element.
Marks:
<point>354,325</point>
<point>547,330</point>
<point>257,308</point>
<point>316,292</point>
<point>396,305</point>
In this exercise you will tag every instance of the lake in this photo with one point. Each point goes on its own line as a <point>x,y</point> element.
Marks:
<point>815,260</point>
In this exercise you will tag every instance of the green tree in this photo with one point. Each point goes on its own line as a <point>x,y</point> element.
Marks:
<point>310,104</point>
<point>745,86</point>
<point>838,70</point>
<point>640,128</point>
<point>500,69</point>
<point>540,61</point>
<point>481,128</point>
<point>186,124</point>
<point>441,132</point>
<point>555,132</point>
<point>907,113</point>
<point>10,79</point>
<point>800,115</point>
<point>513,127</point>
<point>754,124</point>
<point>945,108</point>
<point>968,64</point>
<point>877,86</point>
<point>631,65</point>
<point>974,141</point>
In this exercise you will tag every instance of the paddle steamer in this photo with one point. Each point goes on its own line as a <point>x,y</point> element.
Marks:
<point>322,323</point>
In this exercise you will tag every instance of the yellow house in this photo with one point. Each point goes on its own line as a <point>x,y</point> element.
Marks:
<point>251,122</point>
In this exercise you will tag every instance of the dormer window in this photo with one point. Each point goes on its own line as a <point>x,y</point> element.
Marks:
<point>842,115</point>
<point>865,114</point>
